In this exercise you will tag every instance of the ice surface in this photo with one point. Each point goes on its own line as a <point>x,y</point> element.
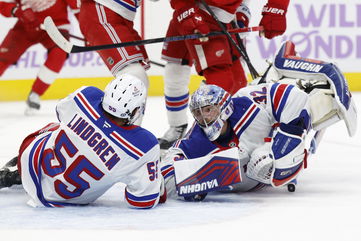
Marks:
<point>325,206</point>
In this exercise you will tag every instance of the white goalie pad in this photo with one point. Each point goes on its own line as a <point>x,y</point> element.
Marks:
<point>324,109</point>
<point>209,173</point>
<point>308,72</point>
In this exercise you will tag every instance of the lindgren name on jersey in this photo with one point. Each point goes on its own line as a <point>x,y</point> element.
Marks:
<point>302,65</point>
<point>95,140</point>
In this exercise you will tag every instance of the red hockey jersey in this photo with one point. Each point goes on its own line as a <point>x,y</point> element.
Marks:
<point>224,9</point>
<point>57,9</point>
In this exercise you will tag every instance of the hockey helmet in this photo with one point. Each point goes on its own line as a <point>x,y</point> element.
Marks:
<point>124,97</point>
<point>211,106</point>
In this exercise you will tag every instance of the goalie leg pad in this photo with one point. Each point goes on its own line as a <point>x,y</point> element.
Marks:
<point>289,65</point>
<point>209,173</point>
<point>323,109</point>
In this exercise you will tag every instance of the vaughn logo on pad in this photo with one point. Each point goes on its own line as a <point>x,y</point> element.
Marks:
<point>302,65</point>
<point>199,187</point>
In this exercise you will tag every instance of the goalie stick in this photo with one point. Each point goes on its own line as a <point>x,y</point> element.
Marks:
<point>68,47</point>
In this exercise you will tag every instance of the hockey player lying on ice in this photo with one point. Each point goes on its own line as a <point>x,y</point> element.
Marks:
<point>258,137</point>
<point>94,146</point>
<point>242,143</point>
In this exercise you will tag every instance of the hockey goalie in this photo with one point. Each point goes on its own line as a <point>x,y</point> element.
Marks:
<point>264,134</point>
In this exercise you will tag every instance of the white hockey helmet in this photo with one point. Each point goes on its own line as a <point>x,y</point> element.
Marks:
<point>124,97</point>
<point>211,106</point>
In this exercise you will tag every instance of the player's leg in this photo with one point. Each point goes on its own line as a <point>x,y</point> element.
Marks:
<point>12,47</point>
<point>239,75</point>
<point>213,60</point>
<point>100,25</point>
<point>176,92</point>
<point>47,74</point>
<point>220,75</point>
<point>45,77</point>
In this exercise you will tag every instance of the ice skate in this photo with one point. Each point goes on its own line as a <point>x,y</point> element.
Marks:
<point>33,104</point>
<point>172,134</point>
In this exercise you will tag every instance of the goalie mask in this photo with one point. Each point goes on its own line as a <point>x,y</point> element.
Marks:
<point>124,97</point>
<point>211,106</point>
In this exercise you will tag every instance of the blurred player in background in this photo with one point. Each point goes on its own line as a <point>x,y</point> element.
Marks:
<point>109,22</point>
<point>268,124</point>
<point>215,59</point>
<point>27,32</point>
<point>94,145</point>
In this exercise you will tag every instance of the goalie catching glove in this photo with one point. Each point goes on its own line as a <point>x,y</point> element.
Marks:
<point>279,161</point>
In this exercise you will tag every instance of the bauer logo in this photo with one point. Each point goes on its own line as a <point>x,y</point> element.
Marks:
<point>310,67</point>
<point>185,14</point>
<point>194,188</point>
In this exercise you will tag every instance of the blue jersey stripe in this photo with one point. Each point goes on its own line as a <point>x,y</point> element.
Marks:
<point>37,178</point>
<point>127,6</point>
<point>248,122</point>
<point>142,198</point>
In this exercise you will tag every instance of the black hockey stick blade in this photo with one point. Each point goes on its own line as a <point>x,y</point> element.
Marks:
<point>68,47</point>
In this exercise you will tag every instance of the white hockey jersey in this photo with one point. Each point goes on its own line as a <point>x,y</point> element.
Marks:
<point>257,109</point>
<point>79,159</point>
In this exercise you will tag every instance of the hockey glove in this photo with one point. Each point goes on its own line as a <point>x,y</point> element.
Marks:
<point>260,166</point>
<point>243,16</point>
<point>191,21</point>
<point>28,17</point>
<point>273,20</point>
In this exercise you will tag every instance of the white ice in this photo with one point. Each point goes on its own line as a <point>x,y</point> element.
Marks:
<point>325,206</point>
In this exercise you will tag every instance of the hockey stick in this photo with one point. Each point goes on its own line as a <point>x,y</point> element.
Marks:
<point>157,63</point>
<point>243,52</point>
<point>77,37</point>
<point>68,47</point>
<point>245,56</point>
